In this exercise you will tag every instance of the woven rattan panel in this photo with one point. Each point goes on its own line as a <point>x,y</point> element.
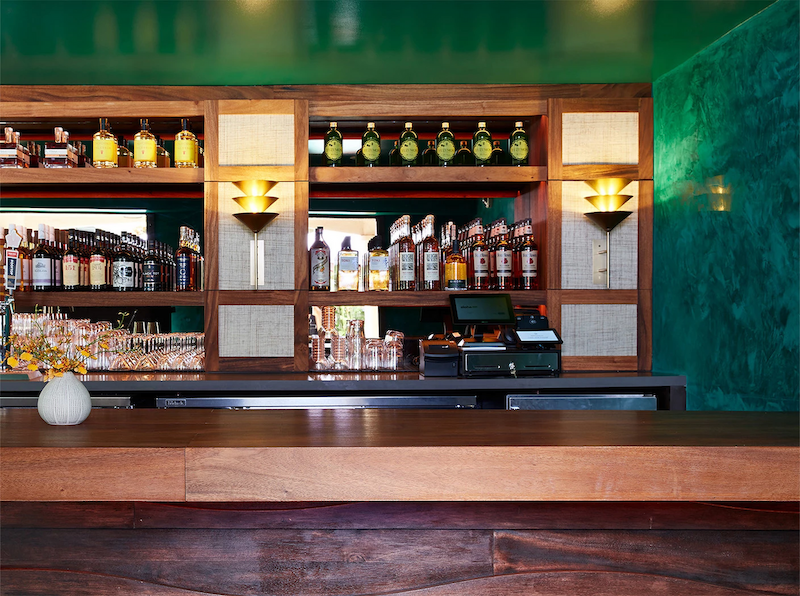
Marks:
<point>235,238</point>
<point>578,232</point>
<point>598,329</point>
<point>256,140</point>
<point>256,331</point>
<point>602,137</point>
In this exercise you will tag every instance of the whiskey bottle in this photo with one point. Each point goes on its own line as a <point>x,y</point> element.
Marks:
<point>105,151</point>
<point>348,269</point>
<point>478,264</point>
<point>124,159</point>
<point>429,155</point>
<point>320,263</point>
<point>185,149</point>
<point>152,269</point>
<point>445,145</point>
<point>144,146</point>
<point>409,146</point>
<point>185,272</point>
<point>97,264</point>
<point>70,263</point>
<point>394,155</point>
<point>9,157</point>
<point>371,145</point>
<point>482,145</point>
<point>406,271</point>
<point>162,155</point>
<point>464,155</point>
<point>518,145</point>
<point>431,260</point>
<point>124,267</point>
<point>455,269</point>
<point>332,153</point>
<point>498,157</point>
<point>529,260</point>
<point>56,252</point>
<point>57,153</point>
<point>378,263</point>
<point>503,262</point>
<point>33,151</point>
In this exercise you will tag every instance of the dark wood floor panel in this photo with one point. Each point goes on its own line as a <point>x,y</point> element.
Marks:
<point>277,562</point>
<point>480,515</point>
<point>33,514</point>
<point>762,562</point>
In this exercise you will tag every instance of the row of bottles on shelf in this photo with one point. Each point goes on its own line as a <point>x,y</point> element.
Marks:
<point>474,257</point>
<point>108,151</point>
<point>444,150</point>
<point>78,260</point>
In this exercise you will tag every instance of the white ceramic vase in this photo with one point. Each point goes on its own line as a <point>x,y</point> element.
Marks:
<point>64,401</point>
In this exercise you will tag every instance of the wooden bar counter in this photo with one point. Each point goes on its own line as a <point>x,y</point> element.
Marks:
<point>422,502</point>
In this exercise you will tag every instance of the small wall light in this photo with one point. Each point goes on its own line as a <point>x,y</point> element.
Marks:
<point>256,217</point>
<point>607,201</point>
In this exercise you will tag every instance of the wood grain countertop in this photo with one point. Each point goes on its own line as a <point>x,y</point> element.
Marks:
<point>401,455</point>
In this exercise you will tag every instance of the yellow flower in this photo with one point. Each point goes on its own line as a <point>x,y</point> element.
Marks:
<point>81,370</point>
<point>32,367</point>
<point>12,362</point>
<point>59,374</point>
<point>85,353</point>
<point>104,345</point>
<point>26,356</point>
<point>59,364</point>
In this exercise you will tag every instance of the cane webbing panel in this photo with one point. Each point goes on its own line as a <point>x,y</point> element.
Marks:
<point>600,138</point>
<point>256,140</point>
<point>598,329</point>
<point>256,331</point>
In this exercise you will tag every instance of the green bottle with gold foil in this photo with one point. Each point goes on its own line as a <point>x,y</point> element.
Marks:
<point>332,153</point>
<point>409,146</point>
<point>482,145</point>
<point>371,145</point>
<point>518,145</point>
<point>445,145</point>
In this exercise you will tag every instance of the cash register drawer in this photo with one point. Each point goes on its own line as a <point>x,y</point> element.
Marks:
<point>581,402</point>
<point>502,363</point>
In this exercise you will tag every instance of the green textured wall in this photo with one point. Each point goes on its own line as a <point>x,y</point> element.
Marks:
<point>726,291</point>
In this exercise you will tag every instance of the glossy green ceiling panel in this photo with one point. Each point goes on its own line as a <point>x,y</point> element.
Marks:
<point>251,42</point>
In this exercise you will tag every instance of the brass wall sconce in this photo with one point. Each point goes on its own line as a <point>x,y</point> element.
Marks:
<point>256,217</point>
<point>607,201</point>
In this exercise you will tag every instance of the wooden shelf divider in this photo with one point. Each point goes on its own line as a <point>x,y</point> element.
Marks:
<point>421,174</point>
<point>430,298</point>
<point>102,176</point>
<point>67,299</point>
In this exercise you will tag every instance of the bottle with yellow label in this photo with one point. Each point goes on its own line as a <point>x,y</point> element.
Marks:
<point>144,146</point>
<point>518,146</point>
<point>371,145</point>
<point>455,269</point>
<point>332,151</point>
<point>185,150</point>
<point>104,147</point>
<point>409,146</point>
<point>482,145</point>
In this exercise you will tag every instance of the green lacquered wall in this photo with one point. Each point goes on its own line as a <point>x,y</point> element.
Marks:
<point>725,287</point>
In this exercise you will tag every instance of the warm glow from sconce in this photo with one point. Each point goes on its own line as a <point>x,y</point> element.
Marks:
<point>608,202</point>
<point>255,204</point>
<point>719,201</point>
<point>254,188</point>
<point>608,186</point>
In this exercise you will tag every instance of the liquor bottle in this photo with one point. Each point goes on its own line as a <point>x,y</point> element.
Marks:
<point>430,261</point>
<point>144,146</point>
<point>85,239</point>
<point>429,155</point>
<point>359,158</point>
<point>332,153</point>
<point>123,264</point>
<point>162,155</point>
<point>33,151</point>
<point>406,259</point>
<point>394,155</point>
<point>10,151</point>
<point>42,264</point>
<point>371,145</point>
<point>482,145</point>
<point>529,260</point>
<point>518,145</point>
<point>455,269</point>
<point>498,157</point>
<point>185,149</point>
<point>57,153</point>
<point>56,251</point>
<point>151,269</point>
<point>464,155</point>
<point>478,264</point>
<point>97,264</point>
<point>503,261</point>
<point>348,270</point>
<point>378,264</point>
<point>124,159</point>
<point>409,146</point>
<point>104,147</point>
<point>24,266</point>
<point>320,263</point>
<point>185,273</point>
<point>445,145</point>
<point>71,263</point>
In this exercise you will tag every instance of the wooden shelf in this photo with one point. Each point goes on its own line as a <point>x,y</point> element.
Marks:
<point>422,174</point>
<point>431,298</point>
<point>67,299</point>
<point>102,176</point>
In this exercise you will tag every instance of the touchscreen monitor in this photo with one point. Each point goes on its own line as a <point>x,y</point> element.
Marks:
<point>482,309</point>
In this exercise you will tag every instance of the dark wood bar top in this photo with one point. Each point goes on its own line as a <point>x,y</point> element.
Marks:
<point>383,455</point>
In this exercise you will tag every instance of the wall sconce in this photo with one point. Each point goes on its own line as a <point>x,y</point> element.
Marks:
<point>719,194</point>
<point>256,217</point>
<point>608,201</point>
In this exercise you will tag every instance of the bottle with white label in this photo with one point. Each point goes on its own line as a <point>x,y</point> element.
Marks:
<point>406,258</point>
<point>431,261</point>
<point>529,260</point>
<point>144,146</point>
<point>504,263</point>
<point>348,268</point>
<point>478,264</point>
<point>320,264</point>
<point>70,264</point>
<point>124,267</point>
<point>378,264</point>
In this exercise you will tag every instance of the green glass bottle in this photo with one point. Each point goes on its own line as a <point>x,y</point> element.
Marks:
<point>394,155</point>
<point>371,145</point>
<point>445,145</point>
<point>498,155</point>
<point>518,145</point>
<point>464,155</point>
<point>332,153</point>
<point>409,146</point>
<point>429,155</point>
<point>482,145</point>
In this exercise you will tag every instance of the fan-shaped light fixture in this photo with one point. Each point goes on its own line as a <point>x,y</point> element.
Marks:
<point>256,217</point>
<point>607,201</point>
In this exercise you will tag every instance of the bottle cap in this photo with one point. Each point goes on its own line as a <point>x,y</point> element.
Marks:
<point>445,125</point>
<point>375,243</point>
<point>346,243</point>
<point>334,124</point>
<point>518,124</point>
<point>481,124</point>
<point>408,124</point>
<point>370,125</point>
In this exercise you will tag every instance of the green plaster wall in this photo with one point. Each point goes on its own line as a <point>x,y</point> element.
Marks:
<point>726,291</point>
